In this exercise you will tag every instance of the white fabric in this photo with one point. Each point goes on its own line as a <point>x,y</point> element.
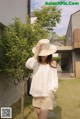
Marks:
<point>44,78</point>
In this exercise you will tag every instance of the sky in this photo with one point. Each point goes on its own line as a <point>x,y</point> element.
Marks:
<point>66,12</point>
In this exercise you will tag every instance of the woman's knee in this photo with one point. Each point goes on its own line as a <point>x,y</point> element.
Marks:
<point>38,110</point>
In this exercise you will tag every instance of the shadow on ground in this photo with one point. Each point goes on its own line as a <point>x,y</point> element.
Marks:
<point>57,112</point>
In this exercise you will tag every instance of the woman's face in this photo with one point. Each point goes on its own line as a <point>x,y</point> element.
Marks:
<point>43,58</point>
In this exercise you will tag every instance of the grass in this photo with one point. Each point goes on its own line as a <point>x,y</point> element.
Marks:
<point>28,109</point>
<point>67,102</point>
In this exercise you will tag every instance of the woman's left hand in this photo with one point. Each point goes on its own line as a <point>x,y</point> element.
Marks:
<point>51,93</point>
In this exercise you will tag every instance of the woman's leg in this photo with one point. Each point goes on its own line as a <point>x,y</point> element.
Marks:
<point>43,114</point>
<point>37,110</point>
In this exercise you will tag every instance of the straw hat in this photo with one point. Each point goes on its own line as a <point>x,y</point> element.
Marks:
<point>46,48</point>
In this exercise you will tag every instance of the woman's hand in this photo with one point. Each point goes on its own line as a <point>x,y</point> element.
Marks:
<point>38,46</point>
<point>51,92</point>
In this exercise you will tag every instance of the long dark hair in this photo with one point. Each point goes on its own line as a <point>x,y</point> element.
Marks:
<point>48,59</point>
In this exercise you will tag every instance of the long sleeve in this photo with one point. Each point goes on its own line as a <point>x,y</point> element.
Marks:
<point>31,63</point>
<point>53,79</point>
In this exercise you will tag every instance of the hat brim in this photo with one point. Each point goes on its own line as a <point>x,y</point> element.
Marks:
<point>52,50</point>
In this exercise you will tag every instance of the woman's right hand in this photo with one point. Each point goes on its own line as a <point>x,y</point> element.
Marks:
<point>38,46</point>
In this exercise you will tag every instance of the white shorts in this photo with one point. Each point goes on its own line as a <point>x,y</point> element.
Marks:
<point>45,103</point>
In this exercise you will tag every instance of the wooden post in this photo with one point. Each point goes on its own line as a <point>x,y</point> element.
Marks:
<point>22,101</point>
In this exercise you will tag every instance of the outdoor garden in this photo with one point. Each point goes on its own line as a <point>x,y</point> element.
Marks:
<point>67,103</point>
<point>16,41</point>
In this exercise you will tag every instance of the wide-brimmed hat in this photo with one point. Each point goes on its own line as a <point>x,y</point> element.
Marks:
<point>46,48</point>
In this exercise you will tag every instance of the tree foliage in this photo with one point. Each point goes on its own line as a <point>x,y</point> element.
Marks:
<point>48,16</point>
<point>62,37</point>
<point>16,46</point>
<point>18,39</point>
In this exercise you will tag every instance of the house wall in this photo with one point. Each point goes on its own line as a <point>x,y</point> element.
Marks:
<point>76,20</point>
<point>9,93</point>
<point>69,34</point>
<point>77,71</point>
<point>69,67</point>
<point>73,24</point>
<point>76,57</point>
<point>66,61</point>
<point>12,8</point>
<point>77,54</point>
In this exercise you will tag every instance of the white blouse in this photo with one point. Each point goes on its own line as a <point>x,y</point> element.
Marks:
<point>44,78</point>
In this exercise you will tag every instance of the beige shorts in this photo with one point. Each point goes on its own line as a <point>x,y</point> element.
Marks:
<point>45,103</point>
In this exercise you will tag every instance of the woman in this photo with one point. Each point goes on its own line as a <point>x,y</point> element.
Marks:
<point>45,80</point>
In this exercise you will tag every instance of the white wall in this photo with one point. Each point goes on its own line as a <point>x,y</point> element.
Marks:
<point>12,8</point>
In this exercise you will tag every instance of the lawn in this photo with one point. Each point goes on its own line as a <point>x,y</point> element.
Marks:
<point>67,102</point>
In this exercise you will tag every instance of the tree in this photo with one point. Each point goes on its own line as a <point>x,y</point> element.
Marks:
<point>48,16</point>
<point>16,48</point>
<point>62,37</point>
<point>16,43</point>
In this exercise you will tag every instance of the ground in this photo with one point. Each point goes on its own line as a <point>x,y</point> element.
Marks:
<point>67,104</point>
